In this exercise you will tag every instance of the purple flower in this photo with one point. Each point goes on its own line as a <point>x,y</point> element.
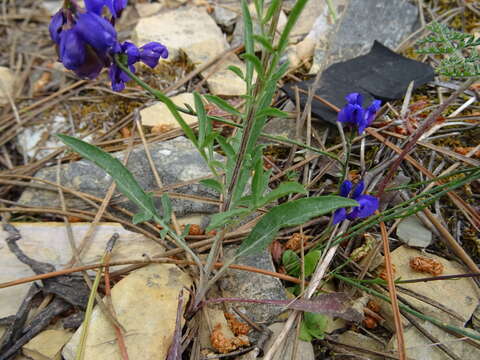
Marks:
<point>367,204</point>
<point>150,53</point>
<point>87,42</point>
<point>353,113</point>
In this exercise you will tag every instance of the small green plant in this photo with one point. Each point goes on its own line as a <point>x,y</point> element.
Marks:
<point>461,57</point>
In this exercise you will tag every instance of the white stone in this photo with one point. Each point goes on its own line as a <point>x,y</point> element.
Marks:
<point>48,242</point>
<point>7,81</point>
<point>310,13</point>
<point>223,81</point>
<point>189,29</point>
<point>148,9</point>
<point>47,345</point>
<point>412,231</point>
<point>419,347</point>
<point>146,303</point>
<point>460,296</point>
<point>158,114</point>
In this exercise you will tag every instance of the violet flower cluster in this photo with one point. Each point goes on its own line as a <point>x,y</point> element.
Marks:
<point>368,204</point>
<point>354,114</point>
<point>87,41</point>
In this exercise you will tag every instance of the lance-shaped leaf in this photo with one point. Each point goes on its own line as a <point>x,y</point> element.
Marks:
<point>124,179</point>
<point>289,214</point>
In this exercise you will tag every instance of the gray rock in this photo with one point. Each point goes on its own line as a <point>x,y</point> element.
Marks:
<point>358,340</point>
<point>176,161</point>
<point>413,233</point>
<point>248,285</point>
<point>364,21</point>
<point>285,127</point>
<point>226,14</point>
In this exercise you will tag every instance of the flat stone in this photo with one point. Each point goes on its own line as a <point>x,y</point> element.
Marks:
<point>179,30</point>
<point>48,242</point>
<point>313,9</point>
<point>364,21</point>
<point>158,115</point>
<point>47,345</point>
<point>7,81</point>
<point>353,338</point>
<point>420,347</point>
<point>459,296</point>
<point>413,233</point>
<point>176,161</point>
<point>223,81</point>
<point>148,9</point>
<point>146,304</point>
<point>226,14</point>
<point>248,285</point>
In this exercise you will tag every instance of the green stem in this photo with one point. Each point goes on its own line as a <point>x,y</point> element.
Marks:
<point>408,309</point>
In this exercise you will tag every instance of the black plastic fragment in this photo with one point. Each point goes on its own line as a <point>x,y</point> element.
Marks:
<point>381,74</point>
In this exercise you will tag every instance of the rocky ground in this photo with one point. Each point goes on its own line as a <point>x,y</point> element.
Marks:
<point>53,199</point>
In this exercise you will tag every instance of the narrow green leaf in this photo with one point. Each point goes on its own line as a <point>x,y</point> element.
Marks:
<point>272,112</point>
<point>289,214</point>
<point>270,11</point>
<point>257,181</point>
<point>212,184</point>
<point>248,38</point>
<point>222,104</point>
<point>221,219</point>
<point>257,64</point>
<point>226,147</point>
<point>204,124</point>
<point>167,208</point>
<point>237,71</point>
<point>284,189</point>
<point>124,179</point>
<point>265,42</point>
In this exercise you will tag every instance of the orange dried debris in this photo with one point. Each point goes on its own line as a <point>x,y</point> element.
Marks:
<point>237,327</point>
<point>195,230</point>
<point>294,243</point>
<point>369,322</point>
<point>160,129</point>
<point>224,345</point>
<point>465,150</point>
<point>126,133</point>
<point>426,265</point>
<point>383,272</point>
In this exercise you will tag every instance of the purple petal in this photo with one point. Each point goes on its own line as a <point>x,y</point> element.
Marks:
<point>355,99</point>
<point>345,188</point>
<point>96,31</point>
<point>339,215</point>
<point>132,52</point>
<point>72,51</point>
<point>371,111</point>
<point>368,206</point>
<point>56,24</point>
<point>116,7</point>
<point>92,65</point>
<point>95,6</point>
<point>151,53</point>
<point>345,114</point>
<point>358,189</point>
<point>119,77</point>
